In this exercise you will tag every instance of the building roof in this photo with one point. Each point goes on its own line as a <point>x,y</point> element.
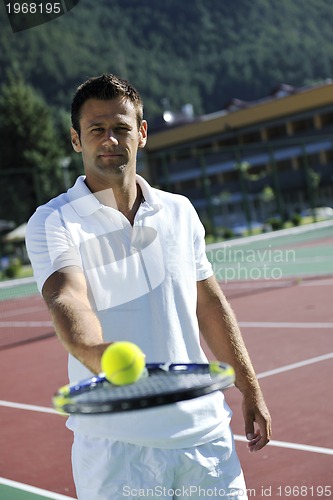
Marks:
<point>284,100</point>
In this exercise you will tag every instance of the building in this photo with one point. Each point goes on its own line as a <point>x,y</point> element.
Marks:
<point>252,160</point>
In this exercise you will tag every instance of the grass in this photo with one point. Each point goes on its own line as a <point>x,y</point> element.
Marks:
<point>25,272</point>
<point>22,272</point>
<point>286,225</point>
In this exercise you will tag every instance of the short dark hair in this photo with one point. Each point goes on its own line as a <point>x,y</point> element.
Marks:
<point>106,87</point>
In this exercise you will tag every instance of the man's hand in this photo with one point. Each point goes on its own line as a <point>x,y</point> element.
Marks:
<point>255,411</point>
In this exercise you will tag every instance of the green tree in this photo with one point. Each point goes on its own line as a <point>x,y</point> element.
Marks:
<point>202,52</point>
<point>30,155</point>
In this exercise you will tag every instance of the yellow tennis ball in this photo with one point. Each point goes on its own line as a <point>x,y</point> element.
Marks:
<point>123,363</point>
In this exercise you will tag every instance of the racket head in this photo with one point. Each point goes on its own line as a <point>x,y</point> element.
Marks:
<point>162,384</point>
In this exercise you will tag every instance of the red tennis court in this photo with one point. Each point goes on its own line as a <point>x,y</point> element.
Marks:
<point>288,328</point>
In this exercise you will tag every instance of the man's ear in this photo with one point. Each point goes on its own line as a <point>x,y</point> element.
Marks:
<point>143,134</point>
<point>76,143</point>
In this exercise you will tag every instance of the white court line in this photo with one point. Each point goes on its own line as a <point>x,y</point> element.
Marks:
<point>269,373</point>
<point>270,235</point>
<point>258,284</point>
<point>26,324</point>
<point>23,406</point>
<point>25,310</point>
<point>323,282</point>
<point>242,324</point>
<point>279,444</point>
<point>280,283</point>
<point>292,446</point>
<point>282,324</point>
<point>307,260</point>
<point>33,489</point>
<point>292,366</point>
<point>19,281</point>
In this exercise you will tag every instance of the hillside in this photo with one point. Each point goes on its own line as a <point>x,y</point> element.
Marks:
<point>200,51</point>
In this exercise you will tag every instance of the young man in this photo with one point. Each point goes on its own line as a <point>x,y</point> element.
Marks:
<point>116,259</point>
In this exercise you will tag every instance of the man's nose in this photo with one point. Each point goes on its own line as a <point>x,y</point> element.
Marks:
<point>110,136</point>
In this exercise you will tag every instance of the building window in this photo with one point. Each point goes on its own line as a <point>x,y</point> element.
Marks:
<point>250,138</point>
<point>304,125</point>
<point>276,132</point>
<point>313,160</point>
<point>326,119</point>
<point>284,165</point>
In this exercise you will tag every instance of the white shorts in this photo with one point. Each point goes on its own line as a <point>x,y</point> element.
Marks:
<point>112,470</point>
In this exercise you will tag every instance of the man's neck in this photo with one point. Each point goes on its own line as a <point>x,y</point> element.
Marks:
<point>128,203</point>
<point>125,197</point>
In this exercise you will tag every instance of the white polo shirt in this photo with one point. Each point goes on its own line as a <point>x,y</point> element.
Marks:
<point>142,285</point>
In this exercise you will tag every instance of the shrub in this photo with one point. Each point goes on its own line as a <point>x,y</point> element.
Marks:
<point>14,268</point>
<point>296,219</point>
<point>275,223</point>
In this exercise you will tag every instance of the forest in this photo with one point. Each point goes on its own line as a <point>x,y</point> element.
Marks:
<point>202,52</point>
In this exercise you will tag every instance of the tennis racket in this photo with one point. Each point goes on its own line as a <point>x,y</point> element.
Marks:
<point>161,384</point>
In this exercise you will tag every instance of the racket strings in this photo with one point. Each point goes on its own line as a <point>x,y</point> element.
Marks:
<point>155,384</point>
<point>163,386</point>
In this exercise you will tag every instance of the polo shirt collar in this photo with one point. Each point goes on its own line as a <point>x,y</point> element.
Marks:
<point>150,194</point>
<point>85,203</point>
<point>82,199</point>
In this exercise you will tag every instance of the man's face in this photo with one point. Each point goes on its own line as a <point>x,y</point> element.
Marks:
<point>109,138</point>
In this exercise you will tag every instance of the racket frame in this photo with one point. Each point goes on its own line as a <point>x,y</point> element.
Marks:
<point>65,399</point>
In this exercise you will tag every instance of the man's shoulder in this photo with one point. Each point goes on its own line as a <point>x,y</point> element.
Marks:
<point>56,203</point>
<point>156,196</point>
<point>172,198</point>
<point>49,207</point>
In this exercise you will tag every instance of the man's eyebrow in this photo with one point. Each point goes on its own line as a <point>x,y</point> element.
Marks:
<point>95,124</point>
<point>117,122</point>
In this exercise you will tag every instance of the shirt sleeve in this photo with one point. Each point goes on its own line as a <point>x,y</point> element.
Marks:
<point>203,266</point>
<point>49,245</point>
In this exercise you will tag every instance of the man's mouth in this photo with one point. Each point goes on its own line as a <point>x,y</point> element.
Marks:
<point>109,155</point>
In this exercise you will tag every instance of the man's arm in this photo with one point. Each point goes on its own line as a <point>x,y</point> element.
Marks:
<point>219,328</point>
<point>76,324</point>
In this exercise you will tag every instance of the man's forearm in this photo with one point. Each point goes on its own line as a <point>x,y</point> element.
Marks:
<point>79,330</point>
<point>76,324</point>
<point>218,325</point>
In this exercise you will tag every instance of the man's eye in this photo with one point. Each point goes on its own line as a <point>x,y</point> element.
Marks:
<point>97,129</point>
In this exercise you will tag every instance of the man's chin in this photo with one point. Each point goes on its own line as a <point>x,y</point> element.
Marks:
<point>111,167</point>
